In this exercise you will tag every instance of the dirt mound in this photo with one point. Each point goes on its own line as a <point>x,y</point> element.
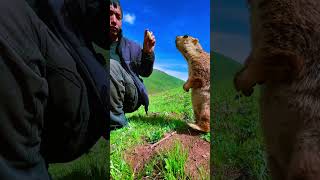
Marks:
<point>198,152</point>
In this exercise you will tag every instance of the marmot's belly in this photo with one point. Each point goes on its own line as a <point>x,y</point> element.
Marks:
<point>200,99</point>
<point>280,124</point>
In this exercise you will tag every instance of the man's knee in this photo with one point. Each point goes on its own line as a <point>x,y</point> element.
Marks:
<point>123,89</point>
<point>115,69</point>
<point>131,99</point>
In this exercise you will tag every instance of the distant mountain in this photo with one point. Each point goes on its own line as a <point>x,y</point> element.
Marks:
<point>160,81</point>
<point>223,68</point>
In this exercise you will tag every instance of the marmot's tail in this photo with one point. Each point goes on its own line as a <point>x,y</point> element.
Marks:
<point>197,127</point>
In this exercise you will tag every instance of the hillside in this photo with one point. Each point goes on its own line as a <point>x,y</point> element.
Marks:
<point>160,81</point>
<point>238,150</point>
<point>223,68</point>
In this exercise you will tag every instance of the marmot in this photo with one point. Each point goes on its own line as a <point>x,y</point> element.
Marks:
<point>199,80</point>
<point>285,58</point>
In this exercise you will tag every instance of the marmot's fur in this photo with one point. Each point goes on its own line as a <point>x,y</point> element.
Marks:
<point>199,80</point>
<point>285,58</point>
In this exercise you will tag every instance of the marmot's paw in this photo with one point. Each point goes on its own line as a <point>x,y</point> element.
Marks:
<point>185,88</point>
<point>242,84</point>
<point>196,127</point>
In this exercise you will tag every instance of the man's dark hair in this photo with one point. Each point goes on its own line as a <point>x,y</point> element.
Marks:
<point>116,3</point>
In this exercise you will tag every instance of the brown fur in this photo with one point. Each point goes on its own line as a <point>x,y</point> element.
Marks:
<point>285,58</point>
<point>199,80</point>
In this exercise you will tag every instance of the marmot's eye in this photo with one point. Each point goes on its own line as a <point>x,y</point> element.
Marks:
<point>185,36</point>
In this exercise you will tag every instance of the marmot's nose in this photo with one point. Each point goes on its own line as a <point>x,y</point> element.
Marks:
<point>185,36</point>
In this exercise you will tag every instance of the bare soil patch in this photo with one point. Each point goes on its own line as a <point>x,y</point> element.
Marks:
<point>198,152</point>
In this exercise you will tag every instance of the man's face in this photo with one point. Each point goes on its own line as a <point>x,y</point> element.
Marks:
<point>115,20</point>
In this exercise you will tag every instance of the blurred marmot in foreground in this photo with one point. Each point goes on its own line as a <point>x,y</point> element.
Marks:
<point>285,58</point>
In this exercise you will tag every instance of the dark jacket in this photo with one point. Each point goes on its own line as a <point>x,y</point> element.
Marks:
<point>136,63</point>
<point>31,58</point>
<point>69,131</point>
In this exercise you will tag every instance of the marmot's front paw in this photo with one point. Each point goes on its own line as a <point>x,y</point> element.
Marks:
<point>185,88</point>
<point>242,83</point>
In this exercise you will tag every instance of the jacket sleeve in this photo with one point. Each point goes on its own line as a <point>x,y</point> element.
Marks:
<point>145,65</point>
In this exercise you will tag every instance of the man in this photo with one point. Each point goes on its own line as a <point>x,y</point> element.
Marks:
<point>28,51</point>
<point>40,80</point>
<point>127,62</point>
<point>76,30</point>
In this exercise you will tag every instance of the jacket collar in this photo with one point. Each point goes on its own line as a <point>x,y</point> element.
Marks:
<point>122,46</point>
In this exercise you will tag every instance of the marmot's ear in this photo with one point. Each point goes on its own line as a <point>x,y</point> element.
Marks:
<point>195,41</point>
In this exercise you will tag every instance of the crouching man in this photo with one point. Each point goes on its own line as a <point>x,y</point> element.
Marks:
<point>127,62</point>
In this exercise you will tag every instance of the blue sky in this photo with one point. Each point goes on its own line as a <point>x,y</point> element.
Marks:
<point>230,28</point>
<point>167,19</point>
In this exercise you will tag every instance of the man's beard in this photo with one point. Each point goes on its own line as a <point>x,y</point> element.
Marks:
<point>117,35</point>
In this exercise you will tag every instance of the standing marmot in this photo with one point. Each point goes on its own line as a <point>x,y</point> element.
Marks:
<point>285,57</point>
<point>199,80</point>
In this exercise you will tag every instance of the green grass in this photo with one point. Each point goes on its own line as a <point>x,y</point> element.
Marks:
<point>203,174</point>
<point>89,166</point>
<point>175,161</point>
<point>168,165</point>
<point>237,145</point>
<point>154,137</point>
<point>168,111</point>
<point>205,137</point>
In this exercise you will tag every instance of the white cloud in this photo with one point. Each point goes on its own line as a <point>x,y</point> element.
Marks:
<point>129,18</point>
<point>172,65</point>
<point>167,68</point>
<point>181,75</point>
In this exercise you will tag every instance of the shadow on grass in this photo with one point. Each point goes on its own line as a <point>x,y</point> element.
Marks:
<point>79,174</point>
<point>170,121</point>
<point>92,165</point>
<point>90,173</point>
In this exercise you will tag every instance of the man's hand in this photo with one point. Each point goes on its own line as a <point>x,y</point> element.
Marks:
<point>149,42</point>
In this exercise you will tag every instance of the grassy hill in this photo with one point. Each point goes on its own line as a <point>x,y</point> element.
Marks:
<point>223,68</point>
<point>237,144</point>
<point>159,81</point>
